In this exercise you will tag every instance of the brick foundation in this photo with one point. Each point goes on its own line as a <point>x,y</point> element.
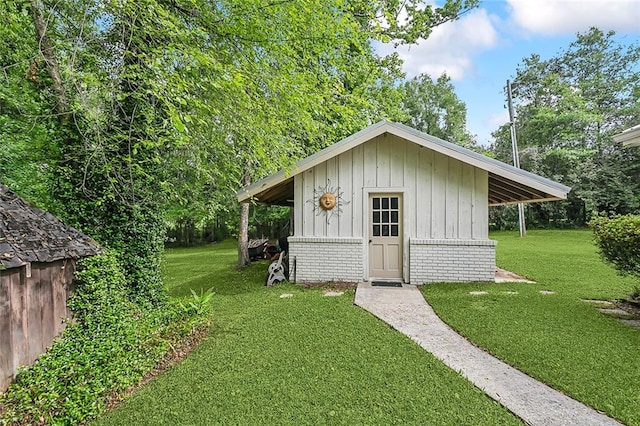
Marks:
<point>451,260</point>
<point>322,259</point>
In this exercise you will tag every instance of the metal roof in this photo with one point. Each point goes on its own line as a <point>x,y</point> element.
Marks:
<point>630,137</point>
<point>28,234</point>
<point>507,184</point>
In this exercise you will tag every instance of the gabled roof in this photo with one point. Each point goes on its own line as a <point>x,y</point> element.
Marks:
<point>28,234</point>
<point>630,137</point>
<point>507,184</point>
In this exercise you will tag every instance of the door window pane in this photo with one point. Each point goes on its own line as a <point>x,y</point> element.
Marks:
<point>376,203</point>
<point>385,230</point>
<point>376,230</point>
<point>394,216</point>
<point>394,230</point>
<point>376,217</point>
<point>385,203</point>
<point>385,217</point>
<point>394,202</point>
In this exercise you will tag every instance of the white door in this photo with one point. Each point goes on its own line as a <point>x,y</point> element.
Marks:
<point>385,236</point>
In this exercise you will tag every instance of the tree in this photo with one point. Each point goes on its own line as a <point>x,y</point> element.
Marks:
<point>434,108</point>
<point>28,146</point>
<point>141,105</point>
<point>568,108</point>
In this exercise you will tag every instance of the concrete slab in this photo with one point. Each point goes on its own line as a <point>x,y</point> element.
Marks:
<point>598,302</point>
<point>536,403</point>
<point>504,276</point>
<point>615,312</point>
<point>631,322</point>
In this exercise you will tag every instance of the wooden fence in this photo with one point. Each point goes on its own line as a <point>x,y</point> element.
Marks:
<point>33,305</point>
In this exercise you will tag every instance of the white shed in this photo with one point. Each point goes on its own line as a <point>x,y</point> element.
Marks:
<point>393,203</point>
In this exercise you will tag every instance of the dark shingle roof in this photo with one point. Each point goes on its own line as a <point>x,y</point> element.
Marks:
<point>28,234</point>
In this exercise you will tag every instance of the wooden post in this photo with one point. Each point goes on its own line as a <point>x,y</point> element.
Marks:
<point>243,234</point>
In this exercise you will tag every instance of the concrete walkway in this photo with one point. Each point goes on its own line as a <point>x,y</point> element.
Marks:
<point>536,403</point>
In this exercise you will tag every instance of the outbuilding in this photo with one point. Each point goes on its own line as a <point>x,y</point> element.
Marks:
<point>393,203</point>
<point>38,256</point>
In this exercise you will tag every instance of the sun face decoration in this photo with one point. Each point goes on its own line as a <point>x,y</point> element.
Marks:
<point>327,200</point>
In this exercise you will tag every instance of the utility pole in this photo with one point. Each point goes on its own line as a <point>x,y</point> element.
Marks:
<point>516,157</point>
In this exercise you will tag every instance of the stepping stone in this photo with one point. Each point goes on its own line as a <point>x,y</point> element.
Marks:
<point>477,293</point>
<point>631,322</point>
<point>614,311</point>
<point>286,295</point>
<point>510,292</point>
<point>599,302</point>
<point>330,293</point>
<point>546,292</point>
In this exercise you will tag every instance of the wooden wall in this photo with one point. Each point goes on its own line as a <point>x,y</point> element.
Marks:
<point>443,198</point>
<point>32,310</point>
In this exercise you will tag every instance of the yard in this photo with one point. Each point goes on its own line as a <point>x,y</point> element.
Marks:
<point>557,338</point>
<point>310,359</point>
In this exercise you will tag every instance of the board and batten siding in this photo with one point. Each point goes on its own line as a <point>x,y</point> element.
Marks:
<point>443,198</point>
<point>444,215</point>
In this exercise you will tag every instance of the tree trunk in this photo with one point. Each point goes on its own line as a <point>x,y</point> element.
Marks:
<point>44,45</point>
<point>243,235</point>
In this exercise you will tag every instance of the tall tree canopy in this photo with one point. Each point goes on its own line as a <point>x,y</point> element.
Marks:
<point>568,108</point>
<point>434,108</point>
<point>120,109</point>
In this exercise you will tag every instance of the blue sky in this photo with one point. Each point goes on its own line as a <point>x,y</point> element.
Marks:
<point>482,49</point>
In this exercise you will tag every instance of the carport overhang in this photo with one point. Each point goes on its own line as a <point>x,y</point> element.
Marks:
<point>501,191</point>
<point>507,184</point>
<point>630,137</point>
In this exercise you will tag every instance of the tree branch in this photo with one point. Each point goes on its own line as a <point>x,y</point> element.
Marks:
<point>44,45</point>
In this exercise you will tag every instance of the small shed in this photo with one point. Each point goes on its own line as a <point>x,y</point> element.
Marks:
<point>393,203</point>
<point>38,256</point>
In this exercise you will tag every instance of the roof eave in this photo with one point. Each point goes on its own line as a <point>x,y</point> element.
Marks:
<point>248,192</point>
<point>537,200</point>
<point>630,137</point>
<point>539,183</point>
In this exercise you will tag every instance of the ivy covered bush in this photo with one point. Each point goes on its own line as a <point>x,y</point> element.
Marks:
<point>618,241</point>
<point>110,345</point>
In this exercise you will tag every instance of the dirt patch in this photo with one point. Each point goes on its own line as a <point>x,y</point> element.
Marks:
<point>330,286</point>
<point>633,308</point>
<point>504,276</point>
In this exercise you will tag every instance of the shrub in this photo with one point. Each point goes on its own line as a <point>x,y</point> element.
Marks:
<point>111,344</point>
<point>618,241</point>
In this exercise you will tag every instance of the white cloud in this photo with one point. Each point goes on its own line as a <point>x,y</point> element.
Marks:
<point>552,17</point>
<point>497,119</point>
<point>450,47</point>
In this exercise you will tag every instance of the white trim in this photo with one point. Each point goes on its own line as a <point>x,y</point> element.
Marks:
<point>630,137</point>
<point>452,242</point>
<point>366,193</point>
<point>334,240</point>
<point>499,168</point>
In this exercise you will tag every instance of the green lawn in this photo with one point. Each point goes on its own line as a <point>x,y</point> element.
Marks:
<point>317,360</point>
<point>556,338</point>
<point>307,359</point>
